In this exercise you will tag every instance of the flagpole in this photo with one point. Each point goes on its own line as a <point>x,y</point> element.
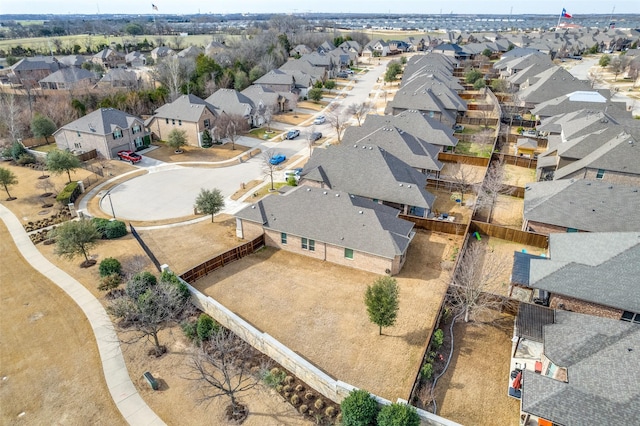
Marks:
<point>558,24</point>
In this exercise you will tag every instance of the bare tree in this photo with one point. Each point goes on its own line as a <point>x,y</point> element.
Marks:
<point>232,125</point>
<point>222,367</point>
<point>491,187</point>
<point>131,265</point>
<point>462,181</point>
<point>618,65</point>
<point>267,168</point>
<point>172,73</point>
<point>45,185</point>
<point>484,137</point>
<point>359,111</point>
<point>10,110</point>
<point>265,112</point>
<point>150,309</point>
<point>310,139</point>
<point>338,123</point>
<point>473,277</point>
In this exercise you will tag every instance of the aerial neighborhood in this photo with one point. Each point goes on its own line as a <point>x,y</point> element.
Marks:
<point>304,220</point>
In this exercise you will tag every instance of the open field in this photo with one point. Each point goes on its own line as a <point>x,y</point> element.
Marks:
<point>473,391</point>
<point>49,360</point>
<point>316,309</point>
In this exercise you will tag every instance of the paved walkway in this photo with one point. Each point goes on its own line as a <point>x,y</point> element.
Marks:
<point>131,405</point>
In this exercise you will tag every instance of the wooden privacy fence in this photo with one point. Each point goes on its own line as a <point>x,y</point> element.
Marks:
<point>455,228</point>
<point>477,121</point>
<point>480,107</point>
<point>529,163</point>
<point>463,159</point>
<point>509,234</point>
<point>86,156</point>
<point>219,261</point>
<point>514,191</point>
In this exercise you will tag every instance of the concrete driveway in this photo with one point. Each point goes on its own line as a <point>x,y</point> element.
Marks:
<point>169,190</point>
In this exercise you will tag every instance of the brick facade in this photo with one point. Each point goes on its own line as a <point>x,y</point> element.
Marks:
<point>580,306</point>
<point>609,176</point>
<point>161,126</point>
<point>543,228</point>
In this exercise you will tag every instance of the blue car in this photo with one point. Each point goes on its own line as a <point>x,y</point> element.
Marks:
<point>277,159</point>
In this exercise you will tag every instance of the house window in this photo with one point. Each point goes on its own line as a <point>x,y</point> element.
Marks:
<point>600,174</point>
<point>572,230</point>
<point>136,129</point>
<point>630,317</point>
<point>138,142</point>
<point>308,244</point>
<point>77,145</point>
<point>173,121</point>
<point>166,120</point>
<point>179,122</point>
<point>78,133</point>
<point>348,253</point>
<point>283,238</point>
<point>117,134</point>
<point>207,123</point>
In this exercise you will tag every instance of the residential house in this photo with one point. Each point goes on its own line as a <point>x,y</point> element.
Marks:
<point>591,273</point>
<point>120,78</point>
<point>320,59</point>
<point>274,101</point>
<point>109,58</point>
<point>325,47</point>
<point>417,153</point>
<point>369,171</point>
<point>135,59</point>
<point>188,113</point>
<point>277,80</point>
<point>68,78</point>
<point>576,205</point>
<point>377,48</point>
<point>452,50</point>
<point>327,225</point>
<point>190,52</point>
<point>232,102</point>
<point>29,71</point>
<point>591,100</point>
<point>351,46</point>
<point>549,84</point>
<point>161,52</point>
<point>72,60</point>
<point>317,73</point>
<point>589,373</point>
<point>300,50</point>
<point>107,130</point>
<point>214,47</point>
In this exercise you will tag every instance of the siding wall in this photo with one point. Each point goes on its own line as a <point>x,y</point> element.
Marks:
<point>580,306</point>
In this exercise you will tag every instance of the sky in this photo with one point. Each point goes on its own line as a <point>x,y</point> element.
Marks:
<point>552,7</point>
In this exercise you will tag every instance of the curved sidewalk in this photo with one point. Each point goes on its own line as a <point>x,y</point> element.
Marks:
<point>131,405</point>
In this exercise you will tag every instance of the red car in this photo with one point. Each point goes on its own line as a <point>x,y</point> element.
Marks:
<point>129,156</point>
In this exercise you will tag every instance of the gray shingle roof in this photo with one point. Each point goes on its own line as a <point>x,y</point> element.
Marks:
<point>102,121</point>
<point>575,101</point>
<point>408,148</point>
<point>593,206</point>
<point>370,172</point>
<point>596,267</point>
<point>68,75</point>
<point>119,74</point>
<point>333,217</point>
<point>602,357</point>
<point>36,63</point>
<point>531,319</point>
<point>550,84</point>
<point>275,77</point>
<point>428,94</point>
<point>186,107</point>
<point>231,101</point>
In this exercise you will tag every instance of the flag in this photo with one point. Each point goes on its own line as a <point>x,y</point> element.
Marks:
<point>154,7</point>
<point>564,14</point>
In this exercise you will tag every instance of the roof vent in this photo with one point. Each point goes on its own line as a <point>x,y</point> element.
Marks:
<point>324,192</point>
<point>400,184</point>
<point>359,211</point>
<point>337,195</point>
<point>308,189</point>
<point>355,146</point>
<point>253,207</point>
<point>370,148</point>
<point>408,186</point>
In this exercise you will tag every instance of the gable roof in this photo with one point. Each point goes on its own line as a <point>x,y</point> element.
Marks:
<point>596,267</point>
<point>275,77</point>
<point>428,94</point>
<point>36,63</point>
<point>72,60</point>
<point>119,74</point>
<point>231,101</point>
<point>102,122</point>
<point>602,357</point>
<point>368,171</point>
<point>261,95</point>
<point>551,83</point>
<point>415,123</point>
<point>408,148</point>
<point>583,99</point>
<point>68,75</point>
<point>586,205</point>
<point>333,217</point>
<point>186,107</point>
<point>106,52</point>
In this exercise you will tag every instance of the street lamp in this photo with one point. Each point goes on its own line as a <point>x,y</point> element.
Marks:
<point>111,204</point>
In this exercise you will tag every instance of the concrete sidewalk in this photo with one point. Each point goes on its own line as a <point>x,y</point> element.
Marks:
<point>131,405</point>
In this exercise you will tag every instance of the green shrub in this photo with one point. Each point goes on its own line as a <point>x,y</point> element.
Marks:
<point>101,226</point>
<point>115,229</point>
<point>438,338</point>
<point>274,378</point>
<point>319,404</point>
<point>25,159</point>
<point>359,409</point>
<point>206,327</point>
<point>69,193</point>
<point>189,329</point>
<point>109,282</point>
<point>140,283</point>
<point>426,372</point>
<point>110,266</point>
<point>17,150</point>
<point>398,415</point>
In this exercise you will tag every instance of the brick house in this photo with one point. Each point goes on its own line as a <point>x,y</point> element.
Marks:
<point>188,113</point>
<point>107,130</point>
<point>327,225</point>
<point>109,58</point>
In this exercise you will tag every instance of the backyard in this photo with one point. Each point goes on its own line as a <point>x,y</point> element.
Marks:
<point>316,308</point>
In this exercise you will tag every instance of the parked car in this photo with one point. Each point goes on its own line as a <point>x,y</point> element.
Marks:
<point>320,119</point>
<point>129,156</point>
<point>292,134</point>
<point>277,159</point>
<point>292,174</point>
<point>531,132</point>
<point>315,136</point>
<point>342,74</point>
<point>349,71</point>
<point>458,128</point>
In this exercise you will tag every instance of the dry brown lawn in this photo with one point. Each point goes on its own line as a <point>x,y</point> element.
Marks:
<point>49,360</point>
<point>291,118</point>
<point>193,153</point>
<point>473,391</point>
<point>446,203</point>
<point>518,176</point>
<point>474,174</point>
<point>316,308</point>
<point>508,211</point>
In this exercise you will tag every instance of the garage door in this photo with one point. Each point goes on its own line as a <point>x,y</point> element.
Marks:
<point>114,150</point>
